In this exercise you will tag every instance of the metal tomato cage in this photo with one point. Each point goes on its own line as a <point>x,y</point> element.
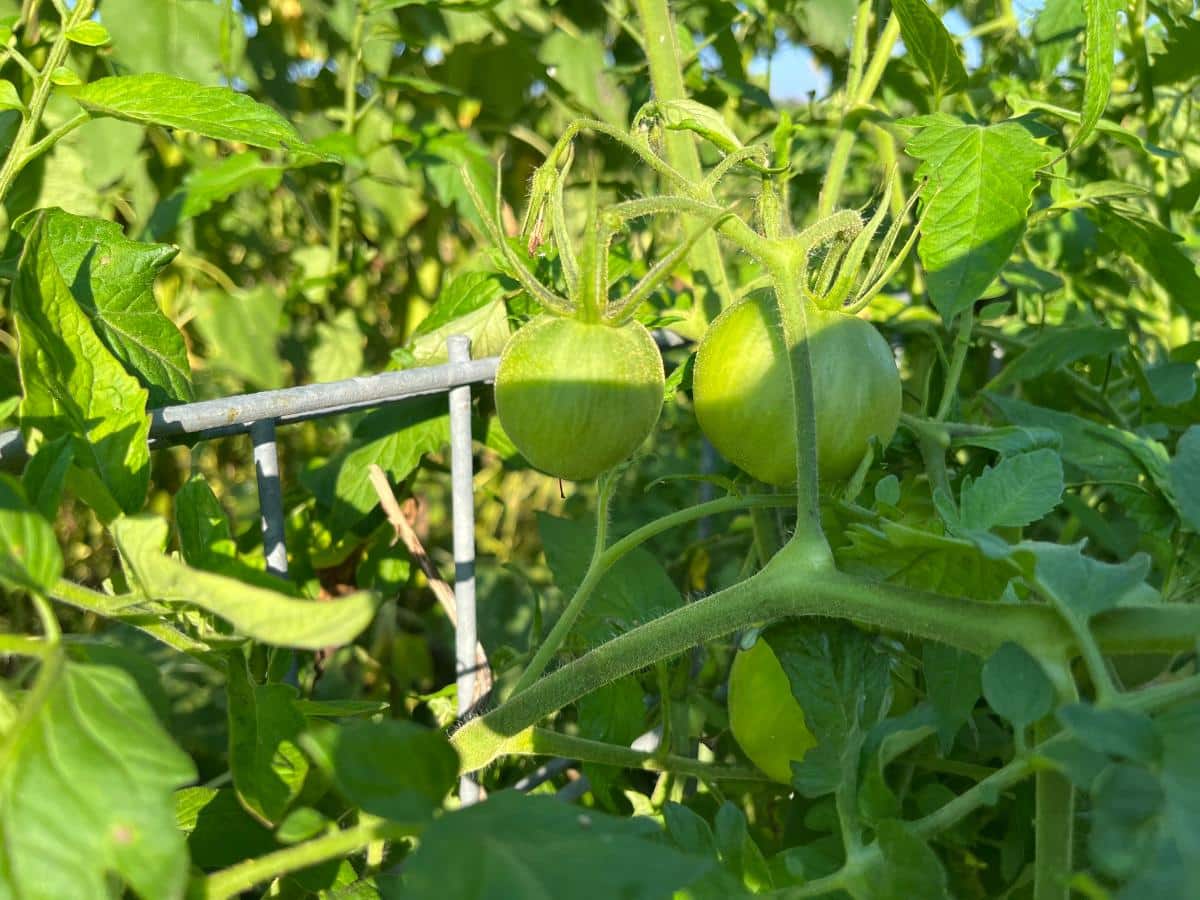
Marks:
<point>259,415</point>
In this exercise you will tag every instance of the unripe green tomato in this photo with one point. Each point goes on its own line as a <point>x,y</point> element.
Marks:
<point>743,394</point>
<point>765,718</point>
<point>577,398</point>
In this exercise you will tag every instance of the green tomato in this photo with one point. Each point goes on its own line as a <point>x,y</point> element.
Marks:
<point>765,718</point>
<point>577,398</point>
<point>743,394</point>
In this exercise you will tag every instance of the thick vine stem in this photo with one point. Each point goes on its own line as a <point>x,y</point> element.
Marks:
<point>797,583</point>
<point>666,77</point>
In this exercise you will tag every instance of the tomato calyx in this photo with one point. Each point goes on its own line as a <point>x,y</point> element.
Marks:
<point>842,240</point>
<point>585,272</point>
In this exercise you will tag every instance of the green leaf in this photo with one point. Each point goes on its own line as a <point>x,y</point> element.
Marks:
<point>1057,26</point>
<point>395,439</point>
<point>931,47</point>
<point>541,847</point>
<point>1016,686</point>
<point>1125,804</point>
<point>203,188</point>
<point>885,743</point>
<point>842,682</point>
<point>65,77</point>
<point>634,590</point>
<point>187,38</point>
<point>1016,491</point>
<point>1099,62</point>
<point>952,682</point>
<point>45,475</point>
<point>578,63</point>
<point>1185,476</point>
<point>241,333</point>
<point>202,525</point>
<point>112,280</point>
<point>30,559</point>
<point>9,98</point>
<point>301,824</point>
<point>739,854</point>
<point>908,868</point>
<point>341,709</point>
<point>981,185</point>
<point>86,779</point>
<point>472,304</point>
<point>265,615</point>
<point>73,384</point>
<point>923,560</point>
<point>1010,440</point>
<point>219,830</point>
<point>214,112</point>
<point>1129,137</point>
<point>1155,249</point>
<point>1120,733</point>
<point>1132,465</point>
<point>265,759</point>
<point>89,34</point>
<point>614,714</point>
<point>1057,348</point>
<point>339,351</point>
<point>394,769</point>
<point>1081,586</point>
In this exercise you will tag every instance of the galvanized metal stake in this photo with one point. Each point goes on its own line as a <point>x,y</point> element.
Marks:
<point>462,498</point>
<point>270,495</point>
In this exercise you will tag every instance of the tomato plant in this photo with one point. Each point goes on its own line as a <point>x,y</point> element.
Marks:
<point>864,333</point>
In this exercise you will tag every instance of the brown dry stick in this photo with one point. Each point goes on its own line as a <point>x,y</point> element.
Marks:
<point>441,590</point>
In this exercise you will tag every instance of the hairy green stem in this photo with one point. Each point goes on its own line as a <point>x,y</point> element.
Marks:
<point>793,321</point>
<point>18,153</point>
<point>712,290</point>
<point>839,157</point>
<point>962,343</point>
<point>1054,827</point>
<point>22,645</point>
<point>790,586</point>
<point>245,875</point>
<point>543,742</point>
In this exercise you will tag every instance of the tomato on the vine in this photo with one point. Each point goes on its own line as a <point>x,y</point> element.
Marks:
<point>576,398</point>
<point>765,718</point>
<point>743,394</point>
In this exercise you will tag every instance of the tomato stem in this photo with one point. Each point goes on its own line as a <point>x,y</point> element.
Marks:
<point>793,320</point>
<point>713,291</point>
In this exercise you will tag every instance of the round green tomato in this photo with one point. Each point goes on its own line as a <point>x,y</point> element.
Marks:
<point>578,398</point>
<point>743,392</point>
<point>765,718</point>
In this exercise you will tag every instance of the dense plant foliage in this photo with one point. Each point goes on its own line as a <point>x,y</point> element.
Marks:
<point>983,605</point>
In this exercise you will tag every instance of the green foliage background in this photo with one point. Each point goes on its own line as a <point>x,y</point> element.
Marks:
<point>232,197</point>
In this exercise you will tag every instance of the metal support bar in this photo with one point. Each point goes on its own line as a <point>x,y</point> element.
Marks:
<point>270,495</point>
<point>190,422</point>
<point>462,496</point>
